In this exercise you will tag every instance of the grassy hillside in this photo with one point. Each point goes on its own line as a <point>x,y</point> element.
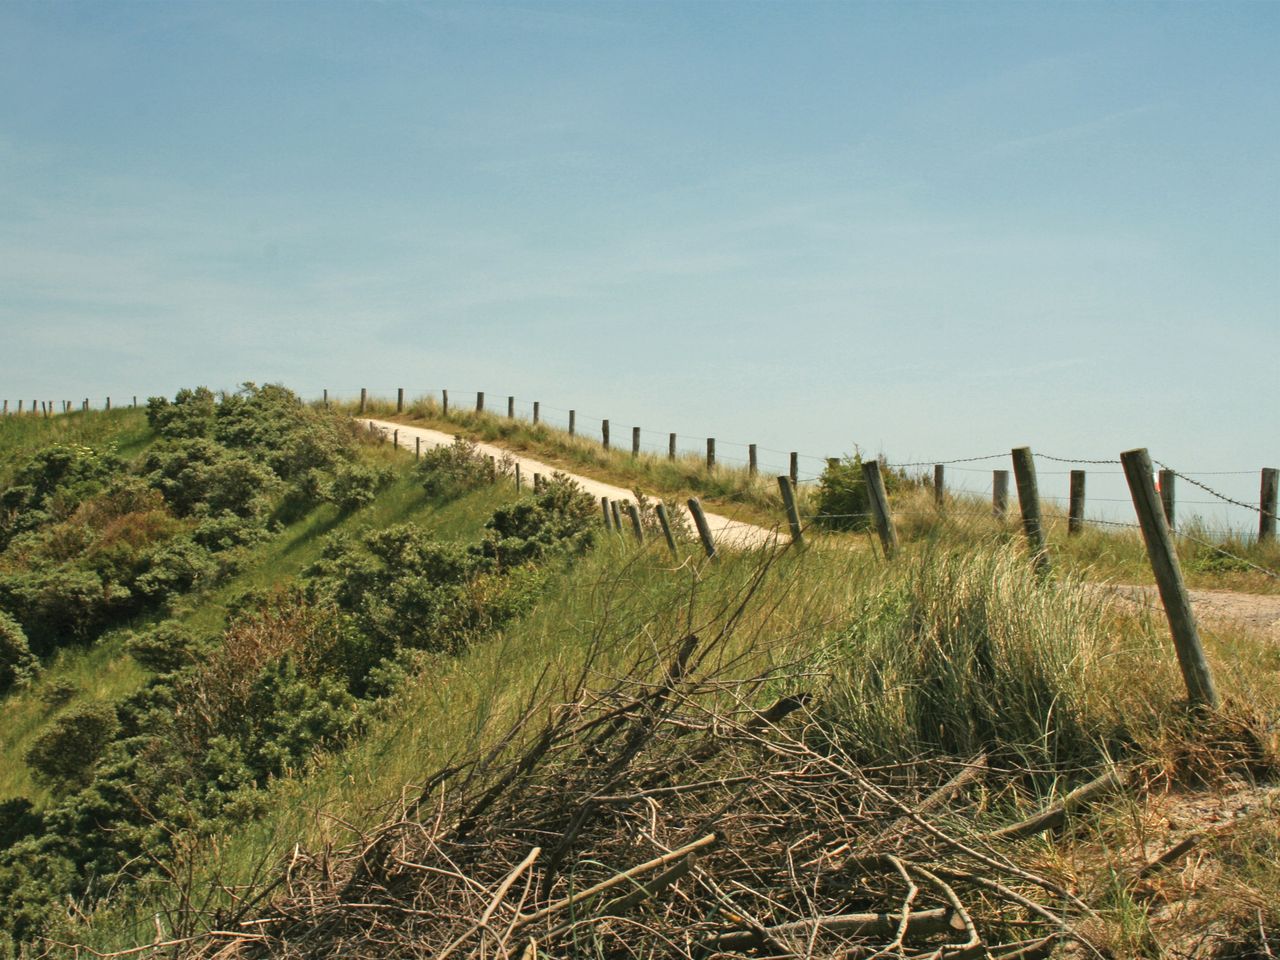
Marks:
<point>554,687</point>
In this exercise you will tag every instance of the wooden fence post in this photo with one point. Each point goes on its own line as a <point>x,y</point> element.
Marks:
<point>794,472</point>
<point>617,517</point>
<point>19,407</point>
<point>1075,505</point>
<point>395,438</point>
<point>753,464</point>
<point>479,401</point>
<point>108,406</point>
<point>6,408</point>
<point>671,446</point>
<point>399,399</point>
<point>604,508</point>
<point>1267,502</point>
<point>665,522</point>
<point>704,531</point>
<point>364,397</point>
<point>939,472</point>
<point>1173,593</point>
<point>604,433</point>
<point>880,507</point>
<point>493,469</point>
<point>85,406</point>
<point>536,412</point>
<point>636,526</point>
<point>1024,474</point>
<point>711,453</point>
<point>793,515</point>
<point>1166,496</point>
<point>635,441</point>
<point>444,402</point>
<point>573,422</point>
<point>999,493</point>
<point>511,408</point>
<point>537,483</point>
<point>417,448</point>
<point>324,402</point>
<point>517,477</point>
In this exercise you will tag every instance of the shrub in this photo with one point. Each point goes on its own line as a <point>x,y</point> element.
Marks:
<point>18,665</point>
<point>166,647</point>
<point>175,568</point>
<point>66,752</point>
<point>561,517</point>
<point>449,472</point>
<point>57,693</point>
<point>355,484</point>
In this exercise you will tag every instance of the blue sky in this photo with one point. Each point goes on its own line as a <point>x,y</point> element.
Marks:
<point>936,230</point>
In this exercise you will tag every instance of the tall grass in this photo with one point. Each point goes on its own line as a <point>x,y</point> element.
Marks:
<point>20,437</point>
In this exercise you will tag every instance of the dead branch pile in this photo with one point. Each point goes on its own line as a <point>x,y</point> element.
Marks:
<point>667,819</point>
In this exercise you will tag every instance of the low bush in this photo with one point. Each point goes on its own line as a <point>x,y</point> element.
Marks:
<point>355,484</point>
<point>18,665</point>
<point>449,472</point>
<point>63,755</point>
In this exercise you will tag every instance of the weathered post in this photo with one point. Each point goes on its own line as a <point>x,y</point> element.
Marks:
<point>108,406</point>
<point>617,517</point>
<point>1075,505</point>
<point>444,402</point>
<point>135,402</point>
<point>604,433</point>
<point>511,408</point>
<point>395,438</point>
<point>604,508</point>
<point>493,469</point>
<point>364,397</point>
<point>1173,592</point>
<point>19,408</point>
<point>399,399</point>
<point>1267,503</point>
<point>636,527</point>
<point>536,412</point>
<point>711,453</point>
<point>753,464</point>
<point>1166,496</point>
<point>704,531</point>
<point>517,477</point>
<point>479,401</point>
<point>537,483</point>
<point>417,448</point>
<point>1024,475</point>
<point>85,405</point>
<point>794,472</point>
<point>880,507</point>
<point>665,522</point>
<point>573,422</point>
<point>999,493</point>
<point>635,441</point>
<point>6,408</point>
<point>939,495</point>
<point>324,402</point>
<point>789,504</point>
<point>671,446</point>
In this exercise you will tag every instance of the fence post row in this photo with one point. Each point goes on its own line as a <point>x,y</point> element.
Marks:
<point>938,474</point>
<point>704,531</point>
<point>1075,506</point>
<point>793,515</point>
<point>1267,501</point>
<point>880,507</point>
<point>1024,474</point>
<point>1173,592</point>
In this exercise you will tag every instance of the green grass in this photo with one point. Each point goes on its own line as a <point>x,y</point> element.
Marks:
<point>20,437</point>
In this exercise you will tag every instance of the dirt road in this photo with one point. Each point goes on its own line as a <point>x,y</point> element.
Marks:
<point>726,532</point>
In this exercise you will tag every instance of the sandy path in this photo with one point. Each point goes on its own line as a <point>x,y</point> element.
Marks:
<point>725,532</point>
<point>1253,611</point>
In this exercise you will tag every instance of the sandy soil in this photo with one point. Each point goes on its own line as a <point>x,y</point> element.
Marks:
<point>1253,611</point>
<point>726,532</point>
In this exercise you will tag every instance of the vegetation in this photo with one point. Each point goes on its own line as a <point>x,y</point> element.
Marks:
<point>352,693</point>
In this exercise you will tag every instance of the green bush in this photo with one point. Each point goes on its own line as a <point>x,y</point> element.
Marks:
<point>65,753</point>
<point>449,472</point>
<point>560,518</point>
<point>166,647</point>
<point>18,665</point>
<point>356,484</point>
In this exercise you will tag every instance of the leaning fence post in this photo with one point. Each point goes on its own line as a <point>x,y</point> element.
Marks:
<point>938,485</point>
<point>880,507</point>
<point>1024,474</point>
<point>671,446</point>
<point>704,531</point>
<point>1075,505</point>
<point>711,453</point>
<point>399,399</point>
<point>999,493</point>
<point>1173,592</point>
<point>364,397</point>
<point>604,508</point>
<point>617,517</point>
<point>753,464</point>
<point>794,472</point>
<point>793,515</point>
<point>1267,503</point>
<point>604,433</point>
<point>635,441</point>
<point>665,522</point>
<point>1166,496</point>
<point>636,526</point>
<point>479,401</point>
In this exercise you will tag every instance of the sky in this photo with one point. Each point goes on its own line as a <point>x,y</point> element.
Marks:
<point>933,230</point>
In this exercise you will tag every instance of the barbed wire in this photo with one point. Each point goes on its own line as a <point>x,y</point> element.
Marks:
<point>1046,456</point>
<point>1210,490</point>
